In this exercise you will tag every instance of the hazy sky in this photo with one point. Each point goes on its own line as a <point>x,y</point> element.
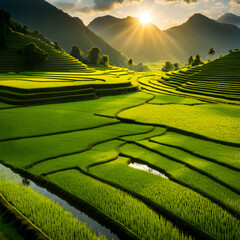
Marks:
<point>164,13</point>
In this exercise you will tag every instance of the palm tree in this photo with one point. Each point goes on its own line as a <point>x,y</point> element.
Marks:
<point>211,52</point>
<point>130,62</point>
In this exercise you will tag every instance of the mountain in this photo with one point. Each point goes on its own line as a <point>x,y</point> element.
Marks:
<point>230,19</point>
<point>58,26</point>
<point>148,43</point>
<point>136,40</point>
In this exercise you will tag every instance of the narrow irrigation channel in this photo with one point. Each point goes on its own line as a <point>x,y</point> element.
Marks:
<point>7,174</point>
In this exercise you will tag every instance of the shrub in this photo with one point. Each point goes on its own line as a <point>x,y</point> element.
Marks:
<point>34,55</point>
<point>168,66</point>
<point>77,53</point>
<point>104,60</point>
<point>197,60</point>
<point>94,55</point>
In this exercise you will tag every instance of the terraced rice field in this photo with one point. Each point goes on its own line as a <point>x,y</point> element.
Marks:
<point>180,124</point>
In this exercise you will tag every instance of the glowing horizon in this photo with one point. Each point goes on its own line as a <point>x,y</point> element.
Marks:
<point>145,18</point>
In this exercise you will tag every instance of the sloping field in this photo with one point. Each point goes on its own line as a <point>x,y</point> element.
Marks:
<point>47,87</point>
<point>217,81</point>
<point>11,61</point>
<point>187,148</point>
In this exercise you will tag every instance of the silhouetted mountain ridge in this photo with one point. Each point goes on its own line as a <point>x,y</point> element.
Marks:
<point>59,26</point>
<point>230,18</point>
<point>148,43</point>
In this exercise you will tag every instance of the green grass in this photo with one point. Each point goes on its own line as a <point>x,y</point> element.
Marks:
<point>8,232</point>
<point>97,154</point>
<point>219,122</point>
<point>156,131</point>
<point>187,204</point>
<point>184,174</point>
<point>45,119</point>
<point>118,205</point>
<point>30,150</point>
<point>41,210</point>
<point>225,154</point>
<point>11,61</point>
<point>170,99</point>
<point>228,176</point>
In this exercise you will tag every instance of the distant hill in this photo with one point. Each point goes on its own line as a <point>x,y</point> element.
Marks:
<point>12,61</point>
<point>138,41</point>
<point>148,43</point>
<point>58,26</point>
<point>230,19</point>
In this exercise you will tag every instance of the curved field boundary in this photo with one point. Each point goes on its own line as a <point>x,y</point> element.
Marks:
<point>90,146</point>
<point>58,133</point>
<point>192,168</point>
<point>108,160</point>
<point>176,220</point>
<point>195,95</point>
<point>197,155</point>
<point>51,100</point>
<point>180,94</point>
<point>204,194</point>
<point>146,138</point>
<point>176,130</point>
<point>118,228</point>
<point>23,225</point>
<point>207,94</point>
<point>66,88</point>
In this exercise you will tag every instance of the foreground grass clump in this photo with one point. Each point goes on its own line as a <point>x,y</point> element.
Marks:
<point>52,219</point>
<point>120,206</point>
<point>8,232</point>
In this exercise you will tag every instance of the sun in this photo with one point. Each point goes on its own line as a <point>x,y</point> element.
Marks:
<point>145,18</point>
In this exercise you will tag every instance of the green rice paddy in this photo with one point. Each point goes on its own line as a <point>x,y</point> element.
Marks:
<point>184,124</point>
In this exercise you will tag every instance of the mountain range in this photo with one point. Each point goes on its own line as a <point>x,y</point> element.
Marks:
<point>59,26</point>
<point>128,38</point>
<point>146,42</point>
<point>230,18</point>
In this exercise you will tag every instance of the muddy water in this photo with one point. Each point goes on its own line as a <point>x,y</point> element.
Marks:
<point>146,168</point>
<point>8,174</point>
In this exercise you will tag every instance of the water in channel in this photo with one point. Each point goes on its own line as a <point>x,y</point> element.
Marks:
<point>146,168</point>
<point>7,174</point>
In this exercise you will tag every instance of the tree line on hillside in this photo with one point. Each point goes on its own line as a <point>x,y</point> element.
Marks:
<point>8,24</point>
<point>93,57</point>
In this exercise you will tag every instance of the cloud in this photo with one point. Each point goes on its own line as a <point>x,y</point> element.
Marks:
<point>65,5</point>
<point>235,6</point>
<point>235,2</point>
<point>186,1</point>
<point>104,5</point>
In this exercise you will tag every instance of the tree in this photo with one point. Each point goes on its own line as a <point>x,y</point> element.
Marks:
<point>190,60</point>
<point>230,51</point>
<point>168,66</point>
<point>130,62</point>
<point>211,52</point>
<point>77,53</point>
<point>197,60</point>
<point>105,60</point>
<point>34,55</point>
<point>56,46</point>
<point>94,55</point>
<point>4,25</point>
<point>176,66</point>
